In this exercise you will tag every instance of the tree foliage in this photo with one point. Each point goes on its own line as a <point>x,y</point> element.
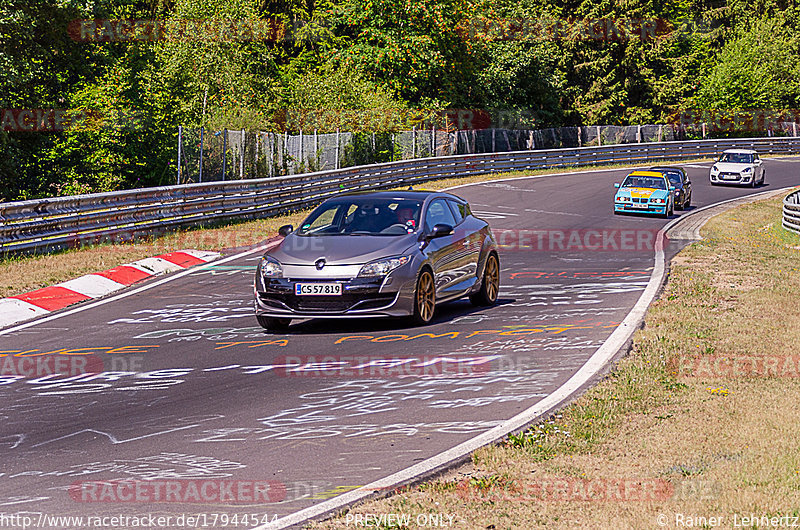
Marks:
<point>248,64</point>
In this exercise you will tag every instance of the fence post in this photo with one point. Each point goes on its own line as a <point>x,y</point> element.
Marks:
<point>336,163</point>
<point>316,149</point>
<point>241,160</point>
<point>271,171</point>
<point>794,128</point>
<point>433,139</point>
<point>704,129</point>
<point>180,149</point>
<point>200,178</point>
<point>414,142</point>
<point>224,150</point>
<point>580,138</point>
<point>599,138</point>
<point>494,150</point>
<point>639,134</point>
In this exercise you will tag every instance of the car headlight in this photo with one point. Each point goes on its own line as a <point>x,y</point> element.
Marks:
<point>624,199</point>
<point>658,201</point>
<point>271,268</point>
<point>747,170</point>
<point>714,169</point>
<point>382,267</point>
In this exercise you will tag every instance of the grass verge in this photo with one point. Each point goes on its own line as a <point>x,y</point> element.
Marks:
<point>699,421</point>
<point>26,273</point>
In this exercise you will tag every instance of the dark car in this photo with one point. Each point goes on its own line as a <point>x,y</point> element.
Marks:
<point>369,254</point>
<point>680,181</point>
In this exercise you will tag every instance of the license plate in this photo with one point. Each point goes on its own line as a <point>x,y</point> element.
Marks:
<point>317,289</point>
<point>639,205</point>
<point>730,177</point>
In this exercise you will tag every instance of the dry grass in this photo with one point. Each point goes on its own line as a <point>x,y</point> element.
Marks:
<point>23,274</point>
<point>718,443</point>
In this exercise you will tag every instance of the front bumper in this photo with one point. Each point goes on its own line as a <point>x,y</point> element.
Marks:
<point>640,208</point>
<point>732,178</point>
<point>361,297</point>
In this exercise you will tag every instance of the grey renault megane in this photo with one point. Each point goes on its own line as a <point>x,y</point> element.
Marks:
<point>386,253</point>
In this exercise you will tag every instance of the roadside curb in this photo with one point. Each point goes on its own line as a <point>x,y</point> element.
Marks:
<point>24,306</point>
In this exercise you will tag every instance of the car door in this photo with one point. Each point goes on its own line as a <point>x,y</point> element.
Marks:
<point>469,233</point>
<point>687,186</point>
<point>759,167</point>
<point>444,252</point>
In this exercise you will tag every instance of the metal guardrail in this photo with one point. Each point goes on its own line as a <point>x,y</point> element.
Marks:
<point>48,224</point>
<point>791,212</point>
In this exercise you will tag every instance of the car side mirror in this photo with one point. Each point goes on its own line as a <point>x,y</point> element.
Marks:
<point>440,230</point>
<point>616,184</point>
<point>285,230</point>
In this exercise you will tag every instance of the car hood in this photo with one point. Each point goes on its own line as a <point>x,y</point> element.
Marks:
<point>640,193</point>
<point>340,250</point>
<point>728,167</point>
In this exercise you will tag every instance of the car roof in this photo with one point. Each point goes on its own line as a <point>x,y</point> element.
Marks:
<point>646,173</point>
<point>740,151</point>
<point>397,194</point>
<point>665,168</point>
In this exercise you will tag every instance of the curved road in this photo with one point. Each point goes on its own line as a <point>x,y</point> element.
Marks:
<point>193,396</point>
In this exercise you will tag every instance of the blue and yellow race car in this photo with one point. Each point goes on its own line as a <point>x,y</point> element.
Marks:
<point>644,192</point>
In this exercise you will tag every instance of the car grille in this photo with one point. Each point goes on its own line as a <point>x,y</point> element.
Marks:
<point>332,304</point>
<point>640,200</point>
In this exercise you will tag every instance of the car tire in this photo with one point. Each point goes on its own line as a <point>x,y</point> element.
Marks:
<point>688,202</point>
<point>681,206</point>
<point>273,324</point>
<point>490,284</point>
<point>753,182</point>
<point>424,298</point>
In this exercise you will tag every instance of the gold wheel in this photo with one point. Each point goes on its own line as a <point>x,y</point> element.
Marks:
<point>492,279</point>
<point>425,299</point>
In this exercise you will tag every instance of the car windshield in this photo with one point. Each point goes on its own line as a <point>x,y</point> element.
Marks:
<point>736,158</point>
<point>674,178</point>
<point>633,181</point>
<point>363,216</point>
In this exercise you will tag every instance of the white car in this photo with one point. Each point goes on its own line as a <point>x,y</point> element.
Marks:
<point>738,166</point>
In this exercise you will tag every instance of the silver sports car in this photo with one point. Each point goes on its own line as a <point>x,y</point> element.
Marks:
<point>387,253</point>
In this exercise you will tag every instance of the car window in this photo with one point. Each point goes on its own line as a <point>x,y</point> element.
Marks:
<point>736,158</point>
<point>459,210</point>
<point>635,181</point>
<point>674,178</point>
<point>438,213</point>
<point>363,216</point>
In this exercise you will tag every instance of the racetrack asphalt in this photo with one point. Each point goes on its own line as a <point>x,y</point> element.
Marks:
<point>201,397</point>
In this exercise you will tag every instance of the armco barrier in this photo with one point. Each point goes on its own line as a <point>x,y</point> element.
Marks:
<point>59,222</point>
<point>791,212</point>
